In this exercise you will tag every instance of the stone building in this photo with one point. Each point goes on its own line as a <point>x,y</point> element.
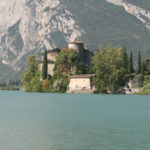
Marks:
<point>85,55</point>
<point>51,58</point>
<point>81,84</point>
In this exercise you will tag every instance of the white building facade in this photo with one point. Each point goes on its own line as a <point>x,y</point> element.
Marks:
<point>81,84</point>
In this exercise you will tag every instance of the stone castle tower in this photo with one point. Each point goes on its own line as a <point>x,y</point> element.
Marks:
<point>85,55</point>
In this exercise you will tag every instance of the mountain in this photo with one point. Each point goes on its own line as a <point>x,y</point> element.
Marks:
<point>30,26</point>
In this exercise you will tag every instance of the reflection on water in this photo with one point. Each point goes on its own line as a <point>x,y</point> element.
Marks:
<point>73,122</point>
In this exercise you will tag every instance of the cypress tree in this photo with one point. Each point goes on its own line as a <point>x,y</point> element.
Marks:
<point>44,66</point>
<point>127,63</point>
<point>125,60</point>
<point>130,64</point>
<point>142,68</point>
<point>139,63</point>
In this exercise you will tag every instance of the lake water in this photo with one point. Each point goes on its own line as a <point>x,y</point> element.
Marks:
<point>73,122</point>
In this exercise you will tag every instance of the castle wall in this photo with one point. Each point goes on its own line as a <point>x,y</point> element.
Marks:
<point>50,68</point>
<point>76,47</point>
<point>52,56</point>
<point>79,83</point>
<point>88,58</point>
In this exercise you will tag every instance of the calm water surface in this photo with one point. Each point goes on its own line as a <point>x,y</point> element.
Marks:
<point>73,122</point>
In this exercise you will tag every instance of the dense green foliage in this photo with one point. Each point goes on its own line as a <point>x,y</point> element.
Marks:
<point>45,85</point>
<point>145,90</point>
<point>146,79</point>
<point>109,69</point>
<point>44,66</point>
<point>11,88</point>
<point>66,61</point>
<point>31,76</point>
<point>59,82</point>
<point>83,69</point>
<point>146,66</point>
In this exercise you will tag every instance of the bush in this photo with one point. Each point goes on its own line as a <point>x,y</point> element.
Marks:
<point>146,80</point>
<point>83,69</point>
<point>60,86</point>
<point>59,82</point>
<point>145,90</point>
<point>57,75</point>
<point>13,88</point>
<point>45,85</point>
<point>37,87</point>
<point>28,87</point>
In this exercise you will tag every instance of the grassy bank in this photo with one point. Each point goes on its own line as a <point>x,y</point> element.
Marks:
<point>10,88</point>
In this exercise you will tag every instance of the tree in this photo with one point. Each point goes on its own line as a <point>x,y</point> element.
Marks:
<point>146,64</point>
<point>109,69</point>
<point>67,61</point>
<point>142,68</point>
<point>44,66</point>
<point>59,82</point>
<point>31,76</point>
<point>83,69</point>
<point>130,64</point>
<point>45,85</point>
<point>139,63</point>
<point>125,60</point>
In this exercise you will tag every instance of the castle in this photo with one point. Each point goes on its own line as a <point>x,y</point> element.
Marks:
<point>85,56</point>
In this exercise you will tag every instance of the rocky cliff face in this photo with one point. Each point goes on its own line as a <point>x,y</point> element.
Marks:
<point>33,25</point>
<point>140,13</point>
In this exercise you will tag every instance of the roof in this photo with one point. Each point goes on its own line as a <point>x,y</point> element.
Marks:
<point>76,42</point>
<point>53,50</point>
<point>83,76</point>
<point>49,62</point>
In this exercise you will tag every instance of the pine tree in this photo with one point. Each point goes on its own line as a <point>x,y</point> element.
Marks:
<point>130,64</point>
<point>44,66</point>
<point>139,63</point>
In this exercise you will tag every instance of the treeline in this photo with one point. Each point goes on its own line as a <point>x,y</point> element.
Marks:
<point>10,83</point>
<point>113,69</point>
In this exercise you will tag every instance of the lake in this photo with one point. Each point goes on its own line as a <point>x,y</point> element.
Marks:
<point>30,121</point>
